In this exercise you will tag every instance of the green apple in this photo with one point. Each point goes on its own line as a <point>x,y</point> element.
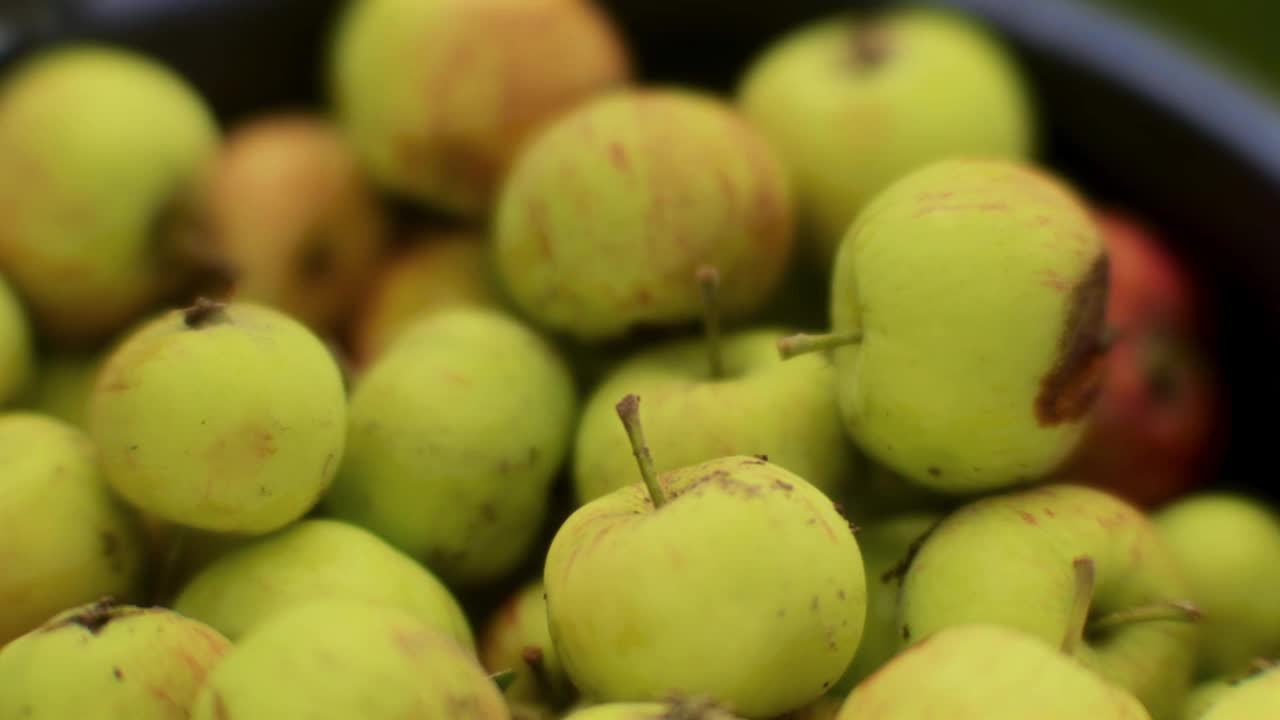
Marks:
<point>291,215</point>
<point>1229,547</point>
<point>987,672</point>
<point>17,351</point>
<point>66,539</point>
<point>691,709</point>
<point>439,95</point>
<point>440,269</point>
<point>1074,566</point>
<point>854,103</point>
<point>222,417</point>
<point>337,659</point>
<point>607,215</point>
<point>105,660</point>
<point>1204,696</point>
<point>456,434</point>
<point>1253,698</point>
<point>316,559</point>
<point>886,546</point>
<point>63,384</point>
<point>716,397</point>
<point>517,638</point>
<point>967,304</point>
<point>733,579</point>
<point>95,213</point>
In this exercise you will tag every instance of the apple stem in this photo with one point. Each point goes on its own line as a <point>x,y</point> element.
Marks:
<point>1080,602</point>
<point>1173,611</point>
<point>204,312</point>
<point>800,344</point>
<point>709,282</point>
<point>629,412</point>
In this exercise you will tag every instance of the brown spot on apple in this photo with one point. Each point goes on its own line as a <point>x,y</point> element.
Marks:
<point>1028,518</point>
<point>619,158</point>
<point>1068,391</point>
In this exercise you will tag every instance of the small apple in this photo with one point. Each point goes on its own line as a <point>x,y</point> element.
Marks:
<point>291,216</point>
<point>717,397</point>
<point>17,351</point>
<point>854,103</point>
<point>66,540</point>
<point>438,96</point>
<point>1156,431</point>
<point>733,579</point>
<point>348,660</point>
<point>887,545</point>
<point>438,270</point>
<point>223,417</point>
<point>610,211</point>
<point>517,638</point>
<point>96,223</point>
<point>1252,698</point>
<point>982,671</point>
<point>967,306</point>
<point>455,437</point>
<point>107,660</point>
<point>316,559</point>
<point>63,384</point>
<point>1076,567</point>
<point>1228,545</point>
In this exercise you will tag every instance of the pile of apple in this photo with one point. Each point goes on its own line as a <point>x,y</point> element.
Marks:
<point>513,386</point>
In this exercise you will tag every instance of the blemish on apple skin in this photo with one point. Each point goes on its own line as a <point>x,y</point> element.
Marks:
<point>117,673</point>
<point>220,707</point>
<point>1028,518</point>
<point>906,633</point>
<point>1049,512</point>
<point>618,156</point>
<point>935,472</point>
<point>1068,391</point>
<point>813,604</point>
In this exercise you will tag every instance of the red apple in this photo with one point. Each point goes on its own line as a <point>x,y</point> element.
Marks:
<point>1158,424</point>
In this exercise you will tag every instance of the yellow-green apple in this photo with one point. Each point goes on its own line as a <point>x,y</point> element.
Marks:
<point>733,579</point>
<point>17,346</point>
<point>222,417</point>
<point>717,397</point>
<point>348,660</point>
<point>292,217</point>
<point>607,215</point>
<point>316,559</point>
<point>440,269</point>
<point>983,671</point>
<point>680,709</point>
<point>1253,698</point>
<point>853,103</point>
<point>967,306</point>
<point>67,540</point>
<point>96,222</point>
<point>1228,545</point>
<point>517,638</point>
<point>107,660</point>
<point>438,96</point>
<point>62,385</point>
<point>1076,567</point>
<point>886,544</point>
<point>456,434</point>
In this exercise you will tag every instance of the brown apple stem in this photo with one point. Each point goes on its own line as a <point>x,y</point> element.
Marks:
<point>204,312</point>
<point>629,411</point>
<point>800,344</point>
<point>709,282</point>
<point>1084,588</point>
<point>1173,611</point>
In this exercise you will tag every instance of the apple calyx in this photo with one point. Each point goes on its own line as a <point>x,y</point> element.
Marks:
<point>1079,624</point>
<point>801,344</point>
<point>203,313</point>
<point>709,283</point>
<point>629,411</point>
